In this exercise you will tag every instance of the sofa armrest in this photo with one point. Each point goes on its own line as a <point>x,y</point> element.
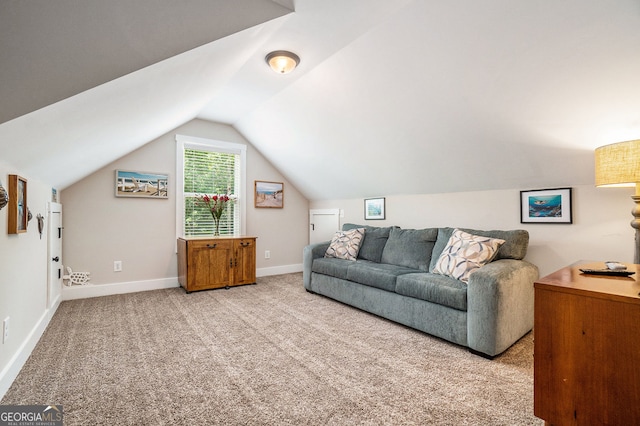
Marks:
<point>500,304</point>
<point>310,252</point>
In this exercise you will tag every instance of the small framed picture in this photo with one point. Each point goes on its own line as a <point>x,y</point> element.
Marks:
<point>269,195</point>
<point>131,184</point>
<point>374,209</point>
<point>18,210</point>
<point>546,206</point>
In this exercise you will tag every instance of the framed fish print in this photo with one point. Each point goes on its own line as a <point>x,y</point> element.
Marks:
<point>546,206</point>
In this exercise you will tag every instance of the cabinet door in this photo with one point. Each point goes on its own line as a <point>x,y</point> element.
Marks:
<point>211,262</point>
<point>586,354</point>
<point>245,261</point>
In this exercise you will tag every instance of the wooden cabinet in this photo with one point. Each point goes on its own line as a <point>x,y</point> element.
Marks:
<point>587,347</point>
<point>217,262</point>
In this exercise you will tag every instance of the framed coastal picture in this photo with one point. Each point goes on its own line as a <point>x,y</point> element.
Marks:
<point>131,184</point>
<point>374,209</point>
<point>546,206</point>
<point>269,195</point>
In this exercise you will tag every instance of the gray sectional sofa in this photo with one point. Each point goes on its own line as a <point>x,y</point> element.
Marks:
<point>393,277</point>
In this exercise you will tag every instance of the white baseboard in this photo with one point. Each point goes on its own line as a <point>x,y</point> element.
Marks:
<point>97,290</point>
<point>10,372</point>
<point>278,270</point>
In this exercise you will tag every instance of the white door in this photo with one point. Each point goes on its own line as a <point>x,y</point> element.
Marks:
<point>323,223</point>
<point>54,234</point>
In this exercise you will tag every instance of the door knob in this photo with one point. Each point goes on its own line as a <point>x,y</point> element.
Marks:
<point>55,259</point>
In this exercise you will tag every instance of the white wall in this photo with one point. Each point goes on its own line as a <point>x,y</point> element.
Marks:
<point>101,228</point>
<point>600,229</point>
<point>23,281</point>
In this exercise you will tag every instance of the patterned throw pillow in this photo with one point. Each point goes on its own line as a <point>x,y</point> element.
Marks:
<point>464,253</point>
<point>345,244</point>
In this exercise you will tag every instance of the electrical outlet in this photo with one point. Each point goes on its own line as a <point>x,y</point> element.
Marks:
<point>5,329</point>
<point>267,254</point>
<point>117,266</point>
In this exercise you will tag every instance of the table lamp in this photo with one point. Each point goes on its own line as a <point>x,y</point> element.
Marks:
<point>618,165</point>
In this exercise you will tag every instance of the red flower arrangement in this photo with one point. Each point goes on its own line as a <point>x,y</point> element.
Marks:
<point>216,204</point>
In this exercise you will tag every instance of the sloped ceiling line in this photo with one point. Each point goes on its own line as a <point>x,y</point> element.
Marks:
<point>52,50</point>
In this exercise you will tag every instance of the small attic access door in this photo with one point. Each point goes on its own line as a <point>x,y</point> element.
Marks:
<point>323,223</point>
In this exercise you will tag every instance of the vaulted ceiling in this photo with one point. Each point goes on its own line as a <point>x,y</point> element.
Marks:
<point>409,96</point>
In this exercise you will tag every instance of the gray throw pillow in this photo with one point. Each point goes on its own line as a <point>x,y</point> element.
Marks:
<point>410,247</point>
<point>374,241</point>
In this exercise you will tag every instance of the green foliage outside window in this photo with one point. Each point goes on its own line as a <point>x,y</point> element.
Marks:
<point>208,172</point>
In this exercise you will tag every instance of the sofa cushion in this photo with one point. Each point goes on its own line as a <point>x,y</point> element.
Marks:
<point>434,288</point>
<point>332,267</point>
<point>464,253</point>
<point>373,243</point>
<point>514,247</point>
<point>345,244</point>
<point>379,275</point>
<point>410,247</point>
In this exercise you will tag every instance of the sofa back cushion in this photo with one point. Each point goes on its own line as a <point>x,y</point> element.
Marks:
<point>515,244</point>
<point>374,241</point>
<point>410,247</point>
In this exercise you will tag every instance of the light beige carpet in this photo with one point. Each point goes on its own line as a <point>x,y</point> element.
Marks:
<point>264,354</point>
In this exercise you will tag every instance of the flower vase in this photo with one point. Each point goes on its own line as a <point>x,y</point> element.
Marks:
<point>216,229</point>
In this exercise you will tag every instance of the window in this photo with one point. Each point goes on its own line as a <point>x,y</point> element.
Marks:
<point>205,166</point>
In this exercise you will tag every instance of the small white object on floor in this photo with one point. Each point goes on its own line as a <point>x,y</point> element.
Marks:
<point>77,278</point>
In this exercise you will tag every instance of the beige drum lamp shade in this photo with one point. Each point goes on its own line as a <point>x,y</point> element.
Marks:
<point>618,164</point>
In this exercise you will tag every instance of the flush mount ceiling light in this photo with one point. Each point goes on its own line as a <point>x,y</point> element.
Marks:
<point>282,61</point>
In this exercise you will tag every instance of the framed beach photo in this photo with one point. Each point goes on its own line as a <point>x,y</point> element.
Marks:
<point>268,195</point>
<point>374,209</point>
<point>546,206</point>
<point>130,184</point>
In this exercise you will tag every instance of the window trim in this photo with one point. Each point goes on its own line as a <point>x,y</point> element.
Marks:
<point>193,142</point>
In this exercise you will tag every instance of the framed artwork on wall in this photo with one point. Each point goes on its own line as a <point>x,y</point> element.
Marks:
<point>546,206</point>
<point>374,209</point>
<point>269,195</point>
<point>18,213</point>
<point>131,184</point>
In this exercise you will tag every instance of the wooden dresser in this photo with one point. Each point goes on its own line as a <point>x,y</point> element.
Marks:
<point>216,262</point>
<point>587,347</point>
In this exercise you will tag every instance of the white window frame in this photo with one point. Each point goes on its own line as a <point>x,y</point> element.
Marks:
<point>192,142</point>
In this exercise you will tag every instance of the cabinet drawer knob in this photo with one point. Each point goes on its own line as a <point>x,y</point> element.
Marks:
<point>212,245</point>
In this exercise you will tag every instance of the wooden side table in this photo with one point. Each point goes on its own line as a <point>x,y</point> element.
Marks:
<point>587,347</point>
